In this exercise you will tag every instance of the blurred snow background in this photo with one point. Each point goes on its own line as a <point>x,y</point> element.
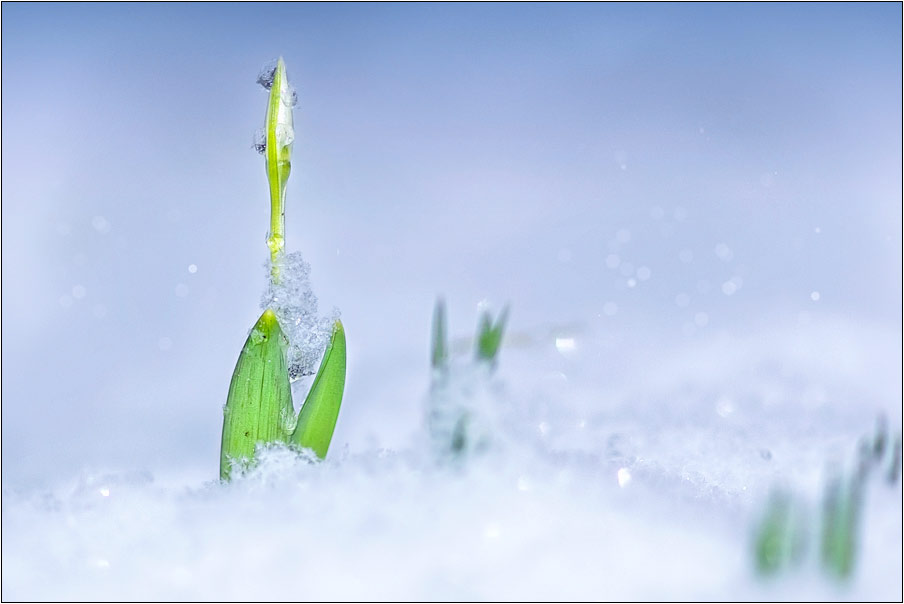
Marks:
<point>694,211</point>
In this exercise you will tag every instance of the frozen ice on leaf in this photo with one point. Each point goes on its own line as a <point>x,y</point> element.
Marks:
<point>285,135</point>
<point>289,97</point>
<point>267,75</point>
<point>260,141</point>
<point>295,305</point>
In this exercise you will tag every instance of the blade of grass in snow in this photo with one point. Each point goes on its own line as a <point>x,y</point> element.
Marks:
<point>259,405</point>
<point>841,512</point>
<point>462,414</point>
<point>893,473</point>
<point>317,419</point>
<point>440,348</point>
<point>489,336</point>
<point>779,539</point>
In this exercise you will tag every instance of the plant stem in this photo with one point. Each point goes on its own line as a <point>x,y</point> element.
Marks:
<point>280,135</point>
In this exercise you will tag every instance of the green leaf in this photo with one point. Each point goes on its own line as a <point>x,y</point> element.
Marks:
<point>440,347</point>
<point>317,419</point>
<point>841,511</point>
<point>259,405</point>
<point>779,540</point>
<point>489,336</point>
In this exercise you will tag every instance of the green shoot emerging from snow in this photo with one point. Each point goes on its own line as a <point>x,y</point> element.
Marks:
<point>259,408</point>
<point>780,537</point>
<point>440,349</point>
<point>259,405</point>
<point>841,514</point>
<point>460,416</point>
<point>489,335</point>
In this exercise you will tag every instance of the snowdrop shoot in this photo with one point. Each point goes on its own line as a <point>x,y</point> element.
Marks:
<point>288,337</point>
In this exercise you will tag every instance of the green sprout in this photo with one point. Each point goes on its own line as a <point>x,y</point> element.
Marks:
<point>780,538</point>
<point>841,514</point>
<point>489,336</point>
<point>457,423</point>
<point>893,472</point>
<point>259,408</point>
<point>440,347</point>
<point>488,339</point>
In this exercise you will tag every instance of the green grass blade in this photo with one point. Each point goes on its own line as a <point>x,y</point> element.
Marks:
<point>489,336</point>
<point>440,348</point>
<point>259,405</point>
<point>841,510</point>
<point>317,419</point>
<point>893,472</point>
<point>779,539</point>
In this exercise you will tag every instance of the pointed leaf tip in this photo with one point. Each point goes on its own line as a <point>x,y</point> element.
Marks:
<point>489,335</point>
<point>259,404</point>
<point>440,346</point>
<point>317,419</point>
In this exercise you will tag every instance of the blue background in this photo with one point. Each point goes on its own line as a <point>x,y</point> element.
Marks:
<point>493,152</point>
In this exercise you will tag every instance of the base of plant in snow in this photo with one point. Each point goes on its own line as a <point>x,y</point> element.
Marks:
<point>594,488</point>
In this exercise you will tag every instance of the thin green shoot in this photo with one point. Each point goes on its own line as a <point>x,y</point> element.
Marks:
<point>317,419</point>
<point>841,515</point>
<point>779,541</point>
<point>459,427</point>
<point>439,348</point>
<point>279,136</point>
<point>893,472</point>
<point>489,336</point>
<point>880,438</point>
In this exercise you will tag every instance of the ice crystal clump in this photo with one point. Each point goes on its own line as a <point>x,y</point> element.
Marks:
<point>289,97</point>
<point>295,305</point>
<point>267,75</point>
<point>260,141</point>
<point>285,134</point>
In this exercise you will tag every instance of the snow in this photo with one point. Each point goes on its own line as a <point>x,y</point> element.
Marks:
<point>295,305</point>
<point>592,488</point>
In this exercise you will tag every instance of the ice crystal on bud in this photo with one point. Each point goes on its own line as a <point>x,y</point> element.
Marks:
<point>289,97</point>
<point>295,305</point>
<point>260,141</point>
<point>267,75</point>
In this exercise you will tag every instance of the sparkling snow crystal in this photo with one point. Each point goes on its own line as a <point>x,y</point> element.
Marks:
<point>267,75</point>
<point>295,305</point>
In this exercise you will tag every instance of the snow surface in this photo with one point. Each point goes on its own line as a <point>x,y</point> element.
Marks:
<point>649,490</point>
